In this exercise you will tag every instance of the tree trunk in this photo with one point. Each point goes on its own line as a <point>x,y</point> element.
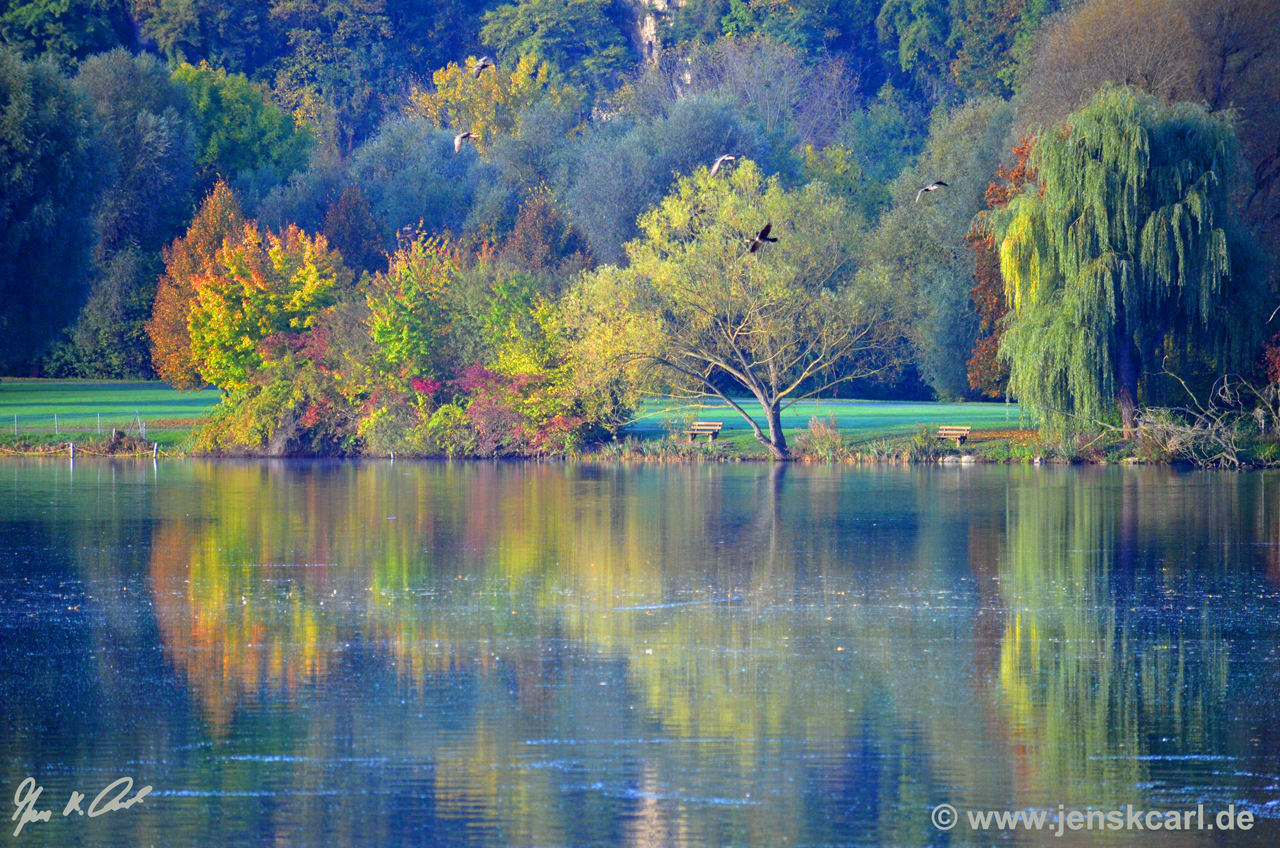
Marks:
<point>1127,387</point>
<point>777,441</point>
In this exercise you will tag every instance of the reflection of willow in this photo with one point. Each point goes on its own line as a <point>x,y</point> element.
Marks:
<point>1087,682</point>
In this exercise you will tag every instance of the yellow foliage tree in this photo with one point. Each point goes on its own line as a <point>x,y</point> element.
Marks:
<point>488,105</point>
<point>261,285</point>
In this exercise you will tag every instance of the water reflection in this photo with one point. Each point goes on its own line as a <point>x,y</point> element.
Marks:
<point>543,654</point>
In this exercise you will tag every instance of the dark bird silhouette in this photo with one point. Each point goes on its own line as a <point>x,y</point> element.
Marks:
<point>461,137</point>
<point>930,187</point>
<point>728,157</point>
<point>482,63</point>
<point>761,238</point>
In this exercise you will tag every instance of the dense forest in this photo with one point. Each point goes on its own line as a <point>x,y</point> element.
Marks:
<point>373,241</point>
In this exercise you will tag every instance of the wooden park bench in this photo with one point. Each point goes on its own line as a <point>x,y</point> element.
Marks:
<point>958,434</point>
<point>710,429</point>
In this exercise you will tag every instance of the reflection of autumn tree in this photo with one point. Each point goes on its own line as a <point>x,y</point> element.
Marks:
<point>732,626</point>
<point>225,646</point>
<point>534,585</point>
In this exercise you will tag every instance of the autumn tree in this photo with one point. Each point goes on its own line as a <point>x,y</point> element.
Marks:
<point>696,314</point>
<point>409,318</point>
<point>351,230</point>
<point>988,373</point>
<point>489,105</point>
<point>543,241</point>
<point>1125,257</point>
<point>187,262</point>
<point>260,285</point>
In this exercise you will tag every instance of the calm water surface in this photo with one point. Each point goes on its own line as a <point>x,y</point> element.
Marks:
<point>302,654</point>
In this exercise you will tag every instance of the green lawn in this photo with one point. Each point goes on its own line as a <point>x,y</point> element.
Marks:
<point>169,415</point>
<point>80,404</point>
<point>862,420</point>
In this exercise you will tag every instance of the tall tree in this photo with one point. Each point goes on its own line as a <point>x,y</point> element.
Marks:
<point>583,39</point>
<point>988,373</point>
<point>239,130</point>
<point>237,35</point>
<point>491,104</point>
<point>188,261</point>
<point>651,156</point>
<point>335,73</point>
<point>48,175</point>
<point>350,229</point>
<point>66,31</point>
<point>147,149</point>
<point>1225,53</point>
<point>261,285</point>
<point>917,253</point>
<point>698,314</point>
<point>1125,254</point>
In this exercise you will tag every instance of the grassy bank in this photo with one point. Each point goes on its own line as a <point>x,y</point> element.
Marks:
<point>41,415</point>
<point>51,414</point>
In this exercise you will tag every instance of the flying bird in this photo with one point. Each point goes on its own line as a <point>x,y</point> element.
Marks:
<point>930,187</point>
<point>761,238</point>
<point>461,137</point>
<point>728,157</point>
<point>482,63</point>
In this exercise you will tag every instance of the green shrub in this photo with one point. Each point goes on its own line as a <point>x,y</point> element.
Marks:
<point>823,441</point>
<point>451,431</point>
<point>922,447</point>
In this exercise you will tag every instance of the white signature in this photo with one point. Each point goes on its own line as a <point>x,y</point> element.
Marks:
<point>28,793</point>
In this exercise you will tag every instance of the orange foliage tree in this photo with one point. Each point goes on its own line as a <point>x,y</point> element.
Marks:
<point>261,284</point>
<point>987,374</point>
<point>186,261</point>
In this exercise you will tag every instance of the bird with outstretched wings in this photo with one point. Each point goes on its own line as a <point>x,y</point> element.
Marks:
<point>930,187</point>
<point>760,238</point>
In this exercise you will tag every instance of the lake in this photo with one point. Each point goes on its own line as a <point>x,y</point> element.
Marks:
<point>549,654</point>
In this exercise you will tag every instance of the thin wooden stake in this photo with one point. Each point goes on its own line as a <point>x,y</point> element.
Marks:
<point>155,450</point>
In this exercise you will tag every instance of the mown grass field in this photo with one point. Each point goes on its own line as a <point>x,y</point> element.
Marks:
<point>169,416</point>
<point>81,406</point>
<point>861,421</point>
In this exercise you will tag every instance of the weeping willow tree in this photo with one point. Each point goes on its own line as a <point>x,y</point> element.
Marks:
<point>1124,257</point>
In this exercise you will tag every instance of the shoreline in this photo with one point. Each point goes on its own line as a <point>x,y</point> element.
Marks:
<point>152,451</point>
